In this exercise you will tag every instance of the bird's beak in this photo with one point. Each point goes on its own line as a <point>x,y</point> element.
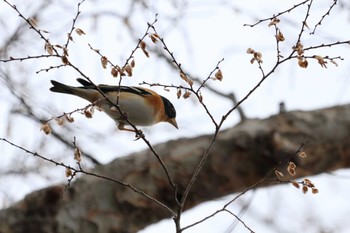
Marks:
<point>173,122</point>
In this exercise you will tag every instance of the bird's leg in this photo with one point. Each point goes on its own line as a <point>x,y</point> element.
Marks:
<point>138,133</point>
<point>121,126</point>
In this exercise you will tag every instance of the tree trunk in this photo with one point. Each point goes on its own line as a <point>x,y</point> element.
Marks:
<point>240,157</point>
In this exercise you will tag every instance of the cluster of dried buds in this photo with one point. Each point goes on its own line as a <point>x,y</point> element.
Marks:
<point>274,22</point>
<point>185,95</point>
<point>88,112</point>
<point>305,183</point>
<point>186,78</point>
<point>77,157</point>
<point>128,68</point>
<point>50,49</point>
<point>279,34</point>
<point>299,48</point>
<point>257,56</point>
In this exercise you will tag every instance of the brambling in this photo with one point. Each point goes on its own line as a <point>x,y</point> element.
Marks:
<point>140,106</point>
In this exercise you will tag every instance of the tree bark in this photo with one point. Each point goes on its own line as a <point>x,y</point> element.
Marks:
<point>241,156</point>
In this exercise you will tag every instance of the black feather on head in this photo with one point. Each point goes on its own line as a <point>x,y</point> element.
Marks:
<point>169,108</point>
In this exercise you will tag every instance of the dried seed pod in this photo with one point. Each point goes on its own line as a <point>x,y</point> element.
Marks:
<point>295,184</point>
<point>132,63</point>
<point>336,64</point>
<point>45,127</point>
<point>87,113</point>
<point>178,93</point>
<point>291,168</point>
<point>299,47</point>
<point>128,70</point>
<point>250,51</point>
<point>154,37</point>
<point>77,155</point>
<point>302,63</point>
<point>48,48</point>
<point>33,22</point>
<point>218,75</point>
<point>114,109</point>
<point>114,72</point>
<point>307,181</point>
<point>258,56</point>
<point>186,94</point>
<point>142,45</point>
<point>302,154</point>
<point>305,189</point>
<point>65,60</point>
<point>69,118</point>
<point>145,52</point>
<point>59,120</point>
<point>280,36</point>
<point>186,79</point>
<point>70,37</point>
<point>321,61</point>
<point>69,172</point>
<point>79,31</point>
<point>314,190</point>
<point>104,62</point>
<point>279,174</point>
<point>274,21</point>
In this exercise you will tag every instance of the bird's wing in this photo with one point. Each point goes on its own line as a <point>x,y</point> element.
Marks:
<point>108,88</point>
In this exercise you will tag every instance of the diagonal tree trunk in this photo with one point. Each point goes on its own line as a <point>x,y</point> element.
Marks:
<point>240,157</point>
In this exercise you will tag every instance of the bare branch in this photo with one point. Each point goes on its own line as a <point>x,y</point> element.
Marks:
<point>324,16</point>
<point>80,170</point>
<point>278,14</point>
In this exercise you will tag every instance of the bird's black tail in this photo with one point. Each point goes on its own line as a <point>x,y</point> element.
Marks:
<point>85,83</point>
<point>61,88</point>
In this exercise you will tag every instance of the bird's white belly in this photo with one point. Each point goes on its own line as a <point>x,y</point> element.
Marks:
<point>135,108</point>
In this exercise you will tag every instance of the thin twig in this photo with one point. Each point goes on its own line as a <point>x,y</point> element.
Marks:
<point>69,35</point>
<point>29,57</point>
<point>277,15</point>
<point>256,184</point>
<point>32,26</point>
<point>209,76</point>
<point>304,23</point>
<point>80,170</point>
<point>324,16</point>
<point>139,134</point>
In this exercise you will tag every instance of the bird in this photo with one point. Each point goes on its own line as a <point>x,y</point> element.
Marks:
<point>137,105</point>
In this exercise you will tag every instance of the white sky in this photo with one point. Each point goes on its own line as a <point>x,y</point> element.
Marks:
<point>203,33</point>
